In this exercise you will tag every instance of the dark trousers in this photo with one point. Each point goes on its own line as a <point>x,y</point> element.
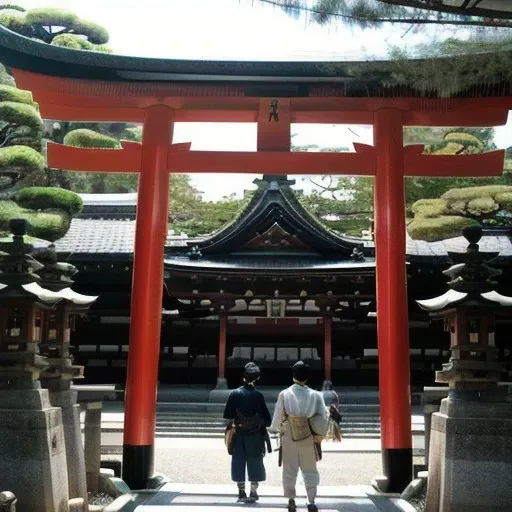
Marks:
<point>248,452</point>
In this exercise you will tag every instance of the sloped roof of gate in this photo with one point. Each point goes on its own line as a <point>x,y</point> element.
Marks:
<point>274,220</point>
<point>291,79</point>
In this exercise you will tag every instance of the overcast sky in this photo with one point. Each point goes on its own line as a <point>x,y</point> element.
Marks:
<point>240,30</point>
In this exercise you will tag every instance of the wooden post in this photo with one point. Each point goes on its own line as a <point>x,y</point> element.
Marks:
<point>146,308</point>
<point>328,348</point>
<point>392,309</point>
<point>221,378</point>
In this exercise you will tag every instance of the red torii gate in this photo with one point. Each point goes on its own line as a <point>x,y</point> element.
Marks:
<point>159,106</point>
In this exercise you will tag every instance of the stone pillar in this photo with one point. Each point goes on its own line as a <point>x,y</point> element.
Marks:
<point>470,466</point>
<point>223,327</point>
<point>92,432</point>
<point>67,401</point>
<point>32,443</point>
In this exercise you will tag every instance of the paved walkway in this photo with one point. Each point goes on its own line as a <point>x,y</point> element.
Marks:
<point>219,498</point>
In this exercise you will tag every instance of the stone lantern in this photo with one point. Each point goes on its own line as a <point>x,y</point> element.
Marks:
<point>33,461</point>
<point>56,326</point>
<point>470,459</point>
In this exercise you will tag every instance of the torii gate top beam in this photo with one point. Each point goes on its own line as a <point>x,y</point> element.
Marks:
<point>89,86</point>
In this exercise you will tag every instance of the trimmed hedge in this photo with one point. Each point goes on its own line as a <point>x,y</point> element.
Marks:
<point>439,228</point>
<point>12,94</point>
<point>21,158</point>
<point>45,198</point>
<point>95,33</point>
<point>75,42</point>
<point>48,225</point>
<point>437,219</point>
<point>429,208</point>
<point>21,114</point>
<point>85,138</point>
<point>51,16</point>
<point>5,78</point>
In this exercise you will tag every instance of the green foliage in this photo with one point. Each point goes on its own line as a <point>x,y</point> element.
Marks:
<point>85,138</point>
<point>44,198</point>
<point>5,78</point>
<point>16,22</point>
<point>76,43</point>
<point>22,159</point>
<point>439,228</point>
<point>450,67</point>
<point>12,94</point>
<point>51,17</point>
<point>429,208</point>
<point>376,13</point>
<point>96,34</point>
<point>51,224</point>
<point>59,27</point>
<point>435,219</point>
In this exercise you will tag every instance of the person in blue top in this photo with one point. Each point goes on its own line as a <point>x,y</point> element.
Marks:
<point>246,407</point>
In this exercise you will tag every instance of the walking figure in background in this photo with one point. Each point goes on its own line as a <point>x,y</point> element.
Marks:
<point>302,419</point>
<point>249,415</point>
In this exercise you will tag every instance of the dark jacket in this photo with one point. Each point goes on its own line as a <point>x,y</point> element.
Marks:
<point>249,401</point>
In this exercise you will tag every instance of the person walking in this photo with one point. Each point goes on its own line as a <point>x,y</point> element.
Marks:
<point>247,409</point>
<point>301,418</point>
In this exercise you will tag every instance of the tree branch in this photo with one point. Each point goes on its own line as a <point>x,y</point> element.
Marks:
<point>488,22</point>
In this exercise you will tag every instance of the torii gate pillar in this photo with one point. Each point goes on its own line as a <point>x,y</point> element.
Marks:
<point>392,310</point>
<point>146,309</point>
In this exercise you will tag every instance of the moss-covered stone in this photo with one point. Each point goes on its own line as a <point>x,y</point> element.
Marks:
<point>84,138</point>
<point>44,198</point>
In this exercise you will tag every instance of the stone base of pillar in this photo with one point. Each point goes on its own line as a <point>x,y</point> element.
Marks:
<point>470,464</point>
<point>77,483</point>
<point>33,461</point>
<point>221,383</point>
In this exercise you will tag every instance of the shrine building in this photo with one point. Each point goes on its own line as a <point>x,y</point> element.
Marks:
<point>273,286</point>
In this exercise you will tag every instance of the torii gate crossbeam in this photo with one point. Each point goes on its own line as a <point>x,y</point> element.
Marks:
<point>155,158</point>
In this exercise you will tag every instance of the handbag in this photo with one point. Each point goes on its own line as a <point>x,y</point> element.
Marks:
<point>229,436</point>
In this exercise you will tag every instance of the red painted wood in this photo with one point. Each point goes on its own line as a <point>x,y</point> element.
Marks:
<point>274,135</point>
<point>68,99</point>
<point>273,162</point>
<point>328,347</point>
<point>223,327</point>
<point>392,310</point>
<point>151,233</point>
<point>283,162</point>
<point>483,164</point>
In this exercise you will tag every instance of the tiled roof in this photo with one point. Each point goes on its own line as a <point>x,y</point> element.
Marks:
<point>269,264</point>
<point>116,237</point>
<point>499,243</point>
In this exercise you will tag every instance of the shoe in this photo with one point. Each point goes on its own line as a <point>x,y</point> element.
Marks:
<point>312,508</point>
<point>291,506</point>
<point>242,497</point>
<point>253,497</point>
